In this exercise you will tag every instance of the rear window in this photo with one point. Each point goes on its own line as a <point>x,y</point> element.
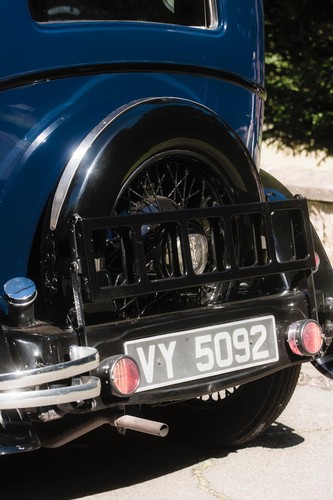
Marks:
<point>199,13</point>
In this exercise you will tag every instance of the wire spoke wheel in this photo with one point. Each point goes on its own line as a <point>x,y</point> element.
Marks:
<point>170,181</point>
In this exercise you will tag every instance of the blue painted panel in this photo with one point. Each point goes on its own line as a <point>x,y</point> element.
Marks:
<point>41,124</point>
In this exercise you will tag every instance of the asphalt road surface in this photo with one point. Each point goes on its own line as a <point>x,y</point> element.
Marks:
<point>292,461</point>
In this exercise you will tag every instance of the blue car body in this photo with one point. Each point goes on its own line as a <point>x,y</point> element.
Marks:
<point>96,61</point>
<point>71,87</point>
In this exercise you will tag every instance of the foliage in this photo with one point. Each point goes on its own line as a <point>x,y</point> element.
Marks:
<point>299,76</point>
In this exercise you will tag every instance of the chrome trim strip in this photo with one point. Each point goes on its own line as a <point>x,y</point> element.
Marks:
<point>85,388</point>
<point>82,359</point>
<point>211,6</point>
<point>37,77</point>
<point>214,15</point>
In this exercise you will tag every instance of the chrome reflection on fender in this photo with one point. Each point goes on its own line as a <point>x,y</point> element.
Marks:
<point>82,360</point>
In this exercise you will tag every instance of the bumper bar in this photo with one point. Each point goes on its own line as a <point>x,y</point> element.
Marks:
<point>82,360</point>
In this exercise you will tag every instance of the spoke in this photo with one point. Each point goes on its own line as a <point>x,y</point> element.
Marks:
<point>132,191</point>
<point>175,190</point>
<point>184,187</point>
<point>152,189</point>
<point>190,194</point>
<point>160,180</point>
<point>206,196</point>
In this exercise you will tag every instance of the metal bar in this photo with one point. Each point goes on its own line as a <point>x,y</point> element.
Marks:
<point>231,270</point>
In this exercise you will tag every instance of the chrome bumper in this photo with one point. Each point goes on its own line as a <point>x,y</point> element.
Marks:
<point>20,389</point>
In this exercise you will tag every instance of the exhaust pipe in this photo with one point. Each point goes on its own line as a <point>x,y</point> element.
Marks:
<point>141,425</point>
<point>122,423</point>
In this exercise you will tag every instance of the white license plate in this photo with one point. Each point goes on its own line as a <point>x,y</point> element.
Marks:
<point>204,352</point>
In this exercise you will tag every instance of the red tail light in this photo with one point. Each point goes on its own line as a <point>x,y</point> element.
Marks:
<point>120,375</point>
<point>305,337</point>
<point>125,376</point>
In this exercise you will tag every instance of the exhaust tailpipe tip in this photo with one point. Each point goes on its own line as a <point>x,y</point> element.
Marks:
<point>141,425</point>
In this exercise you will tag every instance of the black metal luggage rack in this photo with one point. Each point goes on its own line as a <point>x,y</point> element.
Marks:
<point>281,242</point>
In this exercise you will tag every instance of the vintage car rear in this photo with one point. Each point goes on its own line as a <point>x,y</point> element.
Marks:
<point>153,277</point>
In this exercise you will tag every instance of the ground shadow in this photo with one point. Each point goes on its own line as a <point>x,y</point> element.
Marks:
<point>278,435</point>
<point>104,461</point>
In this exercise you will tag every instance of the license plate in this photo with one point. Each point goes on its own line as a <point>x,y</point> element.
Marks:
<point>204,352</point>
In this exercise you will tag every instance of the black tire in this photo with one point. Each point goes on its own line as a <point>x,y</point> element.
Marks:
<point>241,415</point>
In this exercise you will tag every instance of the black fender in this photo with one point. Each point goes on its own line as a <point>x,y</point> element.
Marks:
<point>323,277</point>
<point>118,147</point>
<point>126,138</point>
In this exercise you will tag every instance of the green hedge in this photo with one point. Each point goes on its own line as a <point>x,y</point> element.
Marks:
<point>299,74</point>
